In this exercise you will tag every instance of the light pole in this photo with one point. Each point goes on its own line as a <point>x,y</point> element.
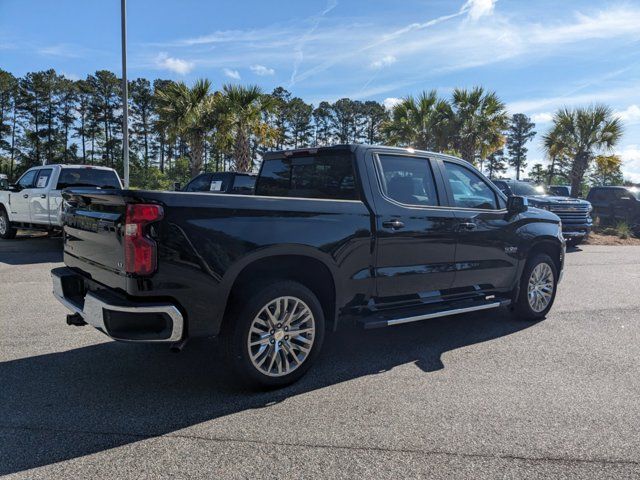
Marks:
<point>125,94</point>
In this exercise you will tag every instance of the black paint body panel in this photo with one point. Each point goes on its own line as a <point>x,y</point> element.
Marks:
<point>206,240</point>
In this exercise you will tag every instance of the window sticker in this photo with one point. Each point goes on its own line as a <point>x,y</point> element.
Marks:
<point>216,185</point>
<point>42,182</point>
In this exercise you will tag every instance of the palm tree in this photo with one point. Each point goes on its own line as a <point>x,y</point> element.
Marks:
<point>555,151</point>
<point>185,112</point>
<point>479,120</point>
<point>581,134</point>
<point>420,122</point>
<point>241,114</point>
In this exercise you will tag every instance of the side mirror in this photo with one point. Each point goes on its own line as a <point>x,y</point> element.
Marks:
<point>14,187</point>
<point>177,186</point>
<point>516,204</point>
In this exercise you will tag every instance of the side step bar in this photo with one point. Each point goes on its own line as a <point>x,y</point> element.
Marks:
<point>377,322</point>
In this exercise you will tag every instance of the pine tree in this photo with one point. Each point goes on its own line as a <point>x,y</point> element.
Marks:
<point>520,132</point>
<point>496,164</point>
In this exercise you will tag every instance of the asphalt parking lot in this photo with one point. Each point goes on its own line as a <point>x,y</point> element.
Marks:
<point>473,396</point>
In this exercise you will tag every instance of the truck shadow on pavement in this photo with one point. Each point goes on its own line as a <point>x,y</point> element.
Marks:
<point>69,404</point>
<point>28,249</point>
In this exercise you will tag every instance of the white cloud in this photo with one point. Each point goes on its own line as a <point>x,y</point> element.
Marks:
<point>384,62</point>
<point>391,102</point>
<point>261,70</point>
<point>629,114</point>
<point>630,156</point>
<point>70,76</point>
<point>542,117</point>
<point>61,50</point>
<point>234,74</point>
<point>176,65</point>
<point>479,8</point>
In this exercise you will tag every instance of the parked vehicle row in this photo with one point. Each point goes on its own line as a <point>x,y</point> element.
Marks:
<point>35,201</point>
<point>223,182</point>
<point>617,204</point>
<point>378,236</point>
<point>575,213</point>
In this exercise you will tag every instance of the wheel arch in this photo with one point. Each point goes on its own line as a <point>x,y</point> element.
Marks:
<point>297,263</point>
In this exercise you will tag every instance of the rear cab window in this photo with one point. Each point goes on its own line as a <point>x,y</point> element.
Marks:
<point>88,177</point>
<point>324,175</point>
<point>407,180</point>
<point>243,184</point>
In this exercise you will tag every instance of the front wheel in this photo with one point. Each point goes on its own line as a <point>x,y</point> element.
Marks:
<point>7,232</point>
<point>574,242</point>
<point>537,288</point>
<point>275,336</point>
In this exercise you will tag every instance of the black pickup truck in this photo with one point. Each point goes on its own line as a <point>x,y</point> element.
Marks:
<point>378,236</point>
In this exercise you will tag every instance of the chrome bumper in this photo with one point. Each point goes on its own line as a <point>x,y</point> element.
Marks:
<point>94,308</point>
<point>578,233</point>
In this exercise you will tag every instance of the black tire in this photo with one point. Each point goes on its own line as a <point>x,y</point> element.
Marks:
<point>574,242</point>
<point>7,231</point>
<point>522,308</point>
<point>237,331</point>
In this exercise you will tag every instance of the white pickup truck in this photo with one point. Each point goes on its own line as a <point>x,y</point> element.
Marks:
<point>35,201</point>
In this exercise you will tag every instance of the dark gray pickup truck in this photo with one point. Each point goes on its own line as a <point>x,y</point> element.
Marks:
<point>378,236</point>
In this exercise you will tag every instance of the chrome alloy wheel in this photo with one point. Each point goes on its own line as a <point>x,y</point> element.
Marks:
<point>3,225</point>
<point>281,336</point>
<point>540,288</point>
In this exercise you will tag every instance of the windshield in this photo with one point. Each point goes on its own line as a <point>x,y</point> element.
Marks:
<point>87,177</point>
<point>635,192</point>
<point>528,189</point>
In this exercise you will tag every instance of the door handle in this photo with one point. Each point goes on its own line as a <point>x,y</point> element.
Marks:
<point>43,195</point>
<point>394,224</point>
<point>467,226</point>
<point>26,195</point>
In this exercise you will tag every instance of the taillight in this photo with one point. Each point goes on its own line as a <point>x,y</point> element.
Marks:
<point>140,255</point>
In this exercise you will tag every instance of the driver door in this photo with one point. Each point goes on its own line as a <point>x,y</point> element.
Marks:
<point>485,258</point>
<point>20,200</point>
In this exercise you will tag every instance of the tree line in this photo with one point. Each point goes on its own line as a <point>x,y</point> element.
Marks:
<point>177,131</point>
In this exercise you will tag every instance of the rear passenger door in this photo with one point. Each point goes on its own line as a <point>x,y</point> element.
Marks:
<point>415,237</point>
<point>39,201</point>
<point>484,259</point>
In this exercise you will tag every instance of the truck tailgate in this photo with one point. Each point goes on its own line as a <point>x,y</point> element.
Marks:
<point>94,221</point>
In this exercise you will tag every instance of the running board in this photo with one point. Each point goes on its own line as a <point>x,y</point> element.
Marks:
<point>377,322</point>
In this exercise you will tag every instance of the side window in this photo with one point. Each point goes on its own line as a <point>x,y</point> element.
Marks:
<point>503,187</point>
<point>27,180</point>
<point>199,184</point>
<point>408,180</point>
<point>329,176</point>
<point>469,189</point>
<point>243,184</point>
<point>42,180</point>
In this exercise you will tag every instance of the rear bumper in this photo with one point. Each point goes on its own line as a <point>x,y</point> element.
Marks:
<point>114,314</point>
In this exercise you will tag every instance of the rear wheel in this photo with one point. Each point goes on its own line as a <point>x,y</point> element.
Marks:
<point>7,231</point>
<point>273,339</point>
<point>537,288</point>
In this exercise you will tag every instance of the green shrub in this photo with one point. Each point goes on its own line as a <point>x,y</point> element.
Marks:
<point>623,230</point>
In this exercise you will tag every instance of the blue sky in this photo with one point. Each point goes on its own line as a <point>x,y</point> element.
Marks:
<point>537,55</point>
